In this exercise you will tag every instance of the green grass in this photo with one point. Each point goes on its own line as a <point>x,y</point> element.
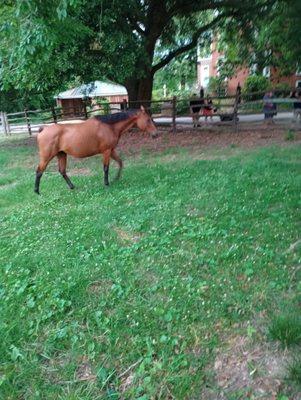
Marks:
<point>287,328</point>
<point>294,369</point>
<point>136,284</point>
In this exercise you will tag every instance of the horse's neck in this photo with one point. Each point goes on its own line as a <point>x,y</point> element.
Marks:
<point>123,126</point>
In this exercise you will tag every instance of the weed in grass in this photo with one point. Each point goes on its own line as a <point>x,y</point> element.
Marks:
<point>294,369</point>
<point>290,135</point>
<point>286,328</point>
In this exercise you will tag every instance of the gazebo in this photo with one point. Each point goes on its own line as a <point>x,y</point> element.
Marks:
<point>72,100</point>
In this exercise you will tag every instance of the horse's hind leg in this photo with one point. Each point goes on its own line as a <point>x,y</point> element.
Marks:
<point>116,157</point>
<point>62,160</point>
<point>39,172</point>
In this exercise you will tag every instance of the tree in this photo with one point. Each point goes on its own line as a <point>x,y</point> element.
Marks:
<point>179,76</point>
<point>271,40</point>
<point>51,42</point>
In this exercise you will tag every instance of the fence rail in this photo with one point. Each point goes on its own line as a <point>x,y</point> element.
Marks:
<point>229,107</point>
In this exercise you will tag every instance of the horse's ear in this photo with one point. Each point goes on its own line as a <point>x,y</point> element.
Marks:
<point>142,109</point>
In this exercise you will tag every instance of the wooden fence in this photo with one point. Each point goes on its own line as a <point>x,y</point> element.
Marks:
<point>166,111</point>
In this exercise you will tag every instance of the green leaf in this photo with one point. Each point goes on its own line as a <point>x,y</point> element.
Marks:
<point>15,353</point>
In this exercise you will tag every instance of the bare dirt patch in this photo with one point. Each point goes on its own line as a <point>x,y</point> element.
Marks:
<point>84,371</point>
<point>126,383</point>
<point>217,137</point>
<point>103,286</point>
<point>8,185</point>
<point>26,141</point>
<point>126,236</point>
<point>127,378</point>
<point>247,369</point>
<point>80,171</point>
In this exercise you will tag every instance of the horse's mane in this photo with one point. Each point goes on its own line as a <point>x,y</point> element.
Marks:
<point>116,117</point>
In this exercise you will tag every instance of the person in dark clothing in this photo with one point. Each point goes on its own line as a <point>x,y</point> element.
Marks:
<point>202,93</point>
<point>238,93</point>
<point>196,106</point>
<point>297,104</point>
<point>269,108</point>
<point>208,109</point>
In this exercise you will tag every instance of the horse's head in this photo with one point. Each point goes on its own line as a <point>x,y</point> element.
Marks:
<point>145,122</point>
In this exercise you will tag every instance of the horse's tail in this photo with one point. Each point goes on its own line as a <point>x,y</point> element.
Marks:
<point>41,128</point>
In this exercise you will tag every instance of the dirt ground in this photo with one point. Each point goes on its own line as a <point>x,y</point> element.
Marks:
<point>214,136</point>
<point>208,137</point>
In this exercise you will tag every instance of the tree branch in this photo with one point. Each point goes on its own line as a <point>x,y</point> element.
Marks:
<point>188,46</point>
<point>188,7</point>
<point>194,6</point>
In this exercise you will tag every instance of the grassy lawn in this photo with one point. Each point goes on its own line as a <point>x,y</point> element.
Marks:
<point>127,292</point>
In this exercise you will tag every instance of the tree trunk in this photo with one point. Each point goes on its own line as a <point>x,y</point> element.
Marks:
<point>132,87</point>
<point>140,90</point>
<point>145,90</point>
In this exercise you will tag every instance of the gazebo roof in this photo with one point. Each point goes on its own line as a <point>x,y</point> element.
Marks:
<point>93,89</point>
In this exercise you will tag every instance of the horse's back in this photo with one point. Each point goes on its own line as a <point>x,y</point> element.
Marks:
<point>78,139</point>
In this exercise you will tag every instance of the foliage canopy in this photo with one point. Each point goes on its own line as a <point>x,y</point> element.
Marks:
<point>46,45</point>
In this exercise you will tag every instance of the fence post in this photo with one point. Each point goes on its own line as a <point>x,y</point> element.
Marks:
<point>85,110</point>
<point>2,122</point>
<point>235,109</point>
<point>125,104</point>
<point>6,124</point>
<point>174,113</point>
<point>54,115</point>
<point>27,121</point>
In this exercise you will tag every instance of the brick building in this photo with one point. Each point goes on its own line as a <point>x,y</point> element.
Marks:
<point>207,67</point>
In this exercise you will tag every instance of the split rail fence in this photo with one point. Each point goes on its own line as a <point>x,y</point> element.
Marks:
<point>171,112</point>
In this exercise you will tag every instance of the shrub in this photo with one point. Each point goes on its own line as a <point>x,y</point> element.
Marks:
<point>255,84</point>
<point>216,86</point>
<point>282,89</point>
<point>104,104</point>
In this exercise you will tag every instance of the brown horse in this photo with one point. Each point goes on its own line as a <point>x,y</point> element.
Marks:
<point>97,135</point>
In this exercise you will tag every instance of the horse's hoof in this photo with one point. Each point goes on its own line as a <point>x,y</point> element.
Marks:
<point>72,187</point>
<point>36,191</point>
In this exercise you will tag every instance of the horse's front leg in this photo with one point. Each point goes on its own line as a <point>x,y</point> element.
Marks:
<point>116,157</point>
<point>106,164</point>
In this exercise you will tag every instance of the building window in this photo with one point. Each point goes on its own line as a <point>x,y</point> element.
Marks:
<point>204,75</point>
<point>266,72</point>
<point>298,84</point>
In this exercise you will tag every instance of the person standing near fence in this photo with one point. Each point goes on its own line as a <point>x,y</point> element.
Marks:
<point>202,93</point>
<point>208,109</point>
<point>297,105</point>
<point>238,93</point>
<point>195,107</point>
<point>269,108</point>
